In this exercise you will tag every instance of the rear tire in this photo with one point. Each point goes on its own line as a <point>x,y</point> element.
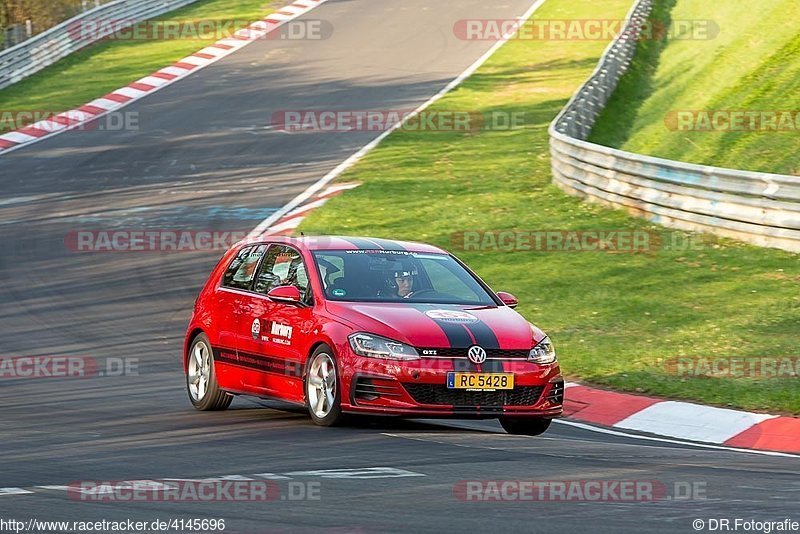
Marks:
<point>525,426</point>
<point>323,388</point>
<point>201,379</point>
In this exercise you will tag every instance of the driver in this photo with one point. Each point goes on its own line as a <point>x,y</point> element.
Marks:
<point>403,278</point>
<point>405,284</point>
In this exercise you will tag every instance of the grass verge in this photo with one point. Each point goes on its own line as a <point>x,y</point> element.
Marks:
<point>753,64</point>
<point>109,65</point>
<point>617,319</point>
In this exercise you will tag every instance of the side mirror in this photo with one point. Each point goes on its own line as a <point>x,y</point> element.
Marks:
<point>508,299</point>
<point>285,294</point>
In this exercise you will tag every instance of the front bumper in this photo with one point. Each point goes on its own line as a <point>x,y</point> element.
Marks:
<point>418,388</point>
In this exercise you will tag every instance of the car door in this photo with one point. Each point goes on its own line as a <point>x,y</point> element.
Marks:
<point>273,335</point>
<point>230,298</point>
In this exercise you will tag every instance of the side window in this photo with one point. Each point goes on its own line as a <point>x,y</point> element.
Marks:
<point>283,266</point>
<point>240,272</point>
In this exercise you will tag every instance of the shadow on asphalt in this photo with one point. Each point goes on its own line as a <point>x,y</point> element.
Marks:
<point>361,422</point>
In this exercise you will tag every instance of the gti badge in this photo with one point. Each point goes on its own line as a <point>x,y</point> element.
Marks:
<point>255,330</point>
<point>476,354</point>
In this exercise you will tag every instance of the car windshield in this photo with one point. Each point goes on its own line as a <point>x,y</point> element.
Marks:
<point>398,276</point>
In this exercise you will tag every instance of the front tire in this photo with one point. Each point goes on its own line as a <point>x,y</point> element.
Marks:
<point>525,426</point>
<point>323,388</point>
<point>201,379</point>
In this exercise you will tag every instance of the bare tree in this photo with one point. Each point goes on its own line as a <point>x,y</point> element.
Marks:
<point>43,14</point>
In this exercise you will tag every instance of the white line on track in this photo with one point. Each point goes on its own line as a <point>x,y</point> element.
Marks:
<point>467,425</point>
<point>610,432</point>
<point>352,160</point>
<point>163,484</point>
<point>14,491</point>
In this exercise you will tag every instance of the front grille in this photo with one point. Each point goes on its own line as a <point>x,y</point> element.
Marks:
<point>433,394</point>
<point>492,354</point>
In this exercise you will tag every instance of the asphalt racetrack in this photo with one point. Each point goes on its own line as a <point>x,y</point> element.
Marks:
<point>204,158</point>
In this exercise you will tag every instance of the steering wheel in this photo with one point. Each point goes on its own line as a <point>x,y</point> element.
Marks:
<point>415,294</point>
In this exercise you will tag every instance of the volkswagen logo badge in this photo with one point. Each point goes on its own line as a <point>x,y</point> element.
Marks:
<point>476,354</point>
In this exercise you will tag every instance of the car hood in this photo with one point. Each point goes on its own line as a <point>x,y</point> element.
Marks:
<point>440,326</point>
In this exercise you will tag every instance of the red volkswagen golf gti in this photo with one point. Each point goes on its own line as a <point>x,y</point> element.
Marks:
<point>361,325</point>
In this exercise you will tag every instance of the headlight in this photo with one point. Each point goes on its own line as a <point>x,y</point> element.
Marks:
<point>543,353</point>
<point>373,346</point>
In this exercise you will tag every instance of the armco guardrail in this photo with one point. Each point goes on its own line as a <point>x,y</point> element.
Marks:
<point>33,55</point>
<point>759,208</point>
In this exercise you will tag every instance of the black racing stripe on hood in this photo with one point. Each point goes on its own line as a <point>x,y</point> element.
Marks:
<point>486,338</point>
<point>457,336</point>
<point>363,244</point>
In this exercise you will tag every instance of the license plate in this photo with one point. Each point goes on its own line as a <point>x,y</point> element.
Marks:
<point>480,381</point>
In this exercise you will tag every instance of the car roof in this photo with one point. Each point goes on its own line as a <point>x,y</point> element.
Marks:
<point>327,242</point>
